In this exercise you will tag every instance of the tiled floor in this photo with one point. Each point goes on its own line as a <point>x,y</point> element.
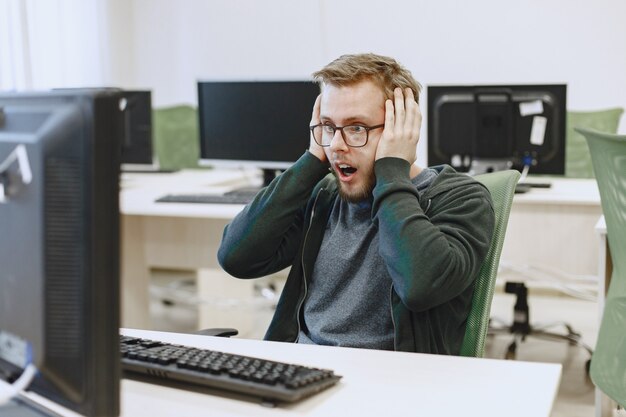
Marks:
<point>576,393</point>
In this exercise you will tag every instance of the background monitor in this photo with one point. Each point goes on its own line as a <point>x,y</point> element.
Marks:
<point>137,149</point>
<point>137,141</point>
<point>484,128</point>
<point>261,124</point>
<point>59,245</point>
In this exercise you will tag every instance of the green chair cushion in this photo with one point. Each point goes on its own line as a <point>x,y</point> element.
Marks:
<point>176,137</point>
<point>577,159</point>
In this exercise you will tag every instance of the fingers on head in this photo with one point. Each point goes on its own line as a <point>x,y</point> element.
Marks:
<point>399,104</point>
<point>389,113</point>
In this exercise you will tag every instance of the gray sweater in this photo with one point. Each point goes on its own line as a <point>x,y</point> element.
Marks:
<point>347,302</point>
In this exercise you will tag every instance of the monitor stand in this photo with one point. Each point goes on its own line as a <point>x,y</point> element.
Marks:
<point>484,166</point>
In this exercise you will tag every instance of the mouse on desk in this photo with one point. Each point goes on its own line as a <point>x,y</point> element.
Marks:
<point>522,188</point>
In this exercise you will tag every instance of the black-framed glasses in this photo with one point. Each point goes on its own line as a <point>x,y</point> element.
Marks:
<point>354,136</point>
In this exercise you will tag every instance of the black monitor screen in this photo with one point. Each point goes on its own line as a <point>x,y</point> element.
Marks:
<point>489,127</point>
<point>137,142</point>
<point>59,245</point>
<point>260,124</point>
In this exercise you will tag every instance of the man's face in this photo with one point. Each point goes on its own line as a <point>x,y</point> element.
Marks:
<point>362,104</point>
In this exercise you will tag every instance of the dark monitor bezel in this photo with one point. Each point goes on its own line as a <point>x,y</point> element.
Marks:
<point>137,146</point>
<point>72,206</point>
<point>285,148</point>
<point>547,158</point>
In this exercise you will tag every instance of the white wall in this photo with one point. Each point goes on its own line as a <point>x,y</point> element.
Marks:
<point>176,42</point>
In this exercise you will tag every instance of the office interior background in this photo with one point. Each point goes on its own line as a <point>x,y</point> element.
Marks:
<point>166,46</point>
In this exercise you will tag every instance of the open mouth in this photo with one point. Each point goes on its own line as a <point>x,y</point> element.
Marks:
<point>345,171</point>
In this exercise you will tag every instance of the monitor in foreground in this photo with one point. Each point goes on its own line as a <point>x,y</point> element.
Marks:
<point>59,245</point>
<point>485,128</point>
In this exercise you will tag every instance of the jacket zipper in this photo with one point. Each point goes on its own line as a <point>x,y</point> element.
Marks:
<point>393,322</point>
<point>306,235</point>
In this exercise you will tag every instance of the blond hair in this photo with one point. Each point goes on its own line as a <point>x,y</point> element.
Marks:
<point>386,72</point>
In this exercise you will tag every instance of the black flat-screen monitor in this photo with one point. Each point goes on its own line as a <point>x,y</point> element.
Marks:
<point>259,124</point>
<point>137,149</point>
<point>484,128</point>
<point>59,245</point>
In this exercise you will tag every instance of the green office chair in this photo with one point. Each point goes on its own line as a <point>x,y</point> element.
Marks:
<point>577,159</point>
<point>608,362</point>
<point>176,137</point>
<point>501,185</point>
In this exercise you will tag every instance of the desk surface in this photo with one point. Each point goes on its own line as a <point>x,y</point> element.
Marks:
<point>140,190</point>
<point>374,383</point>
<point>571,191</point>
<point>377,383</point>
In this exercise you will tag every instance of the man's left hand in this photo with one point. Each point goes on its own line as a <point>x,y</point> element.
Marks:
<point>403,121</point>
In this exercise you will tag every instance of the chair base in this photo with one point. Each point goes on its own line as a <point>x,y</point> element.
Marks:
<point>521,327</point>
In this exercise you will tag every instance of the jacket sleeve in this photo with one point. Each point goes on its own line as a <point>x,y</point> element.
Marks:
<point>265,237</point>
<point>432,257</point>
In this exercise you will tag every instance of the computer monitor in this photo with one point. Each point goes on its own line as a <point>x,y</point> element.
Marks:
<point>59,245</point>
<point>258,124</point>
<point>484,128</point>
<point>137,149</point>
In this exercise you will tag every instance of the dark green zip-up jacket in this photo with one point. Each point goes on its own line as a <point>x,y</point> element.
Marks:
<point>433,246</point>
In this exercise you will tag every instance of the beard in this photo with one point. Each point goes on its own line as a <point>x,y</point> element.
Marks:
<point>362,193</point>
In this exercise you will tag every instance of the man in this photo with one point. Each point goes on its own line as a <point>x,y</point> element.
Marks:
<point>383,253</point>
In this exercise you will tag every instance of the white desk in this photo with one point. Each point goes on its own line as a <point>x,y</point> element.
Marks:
<point>168,235</point>
<point>551,228</point>
<point>374,383</point>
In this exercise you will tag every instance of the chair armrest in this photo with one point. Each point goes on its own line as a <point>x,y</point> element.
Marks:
<point>221,332</point>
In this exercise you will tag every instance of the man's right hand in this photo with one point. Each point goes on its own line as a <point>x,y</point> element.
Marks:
<point>314,148</point>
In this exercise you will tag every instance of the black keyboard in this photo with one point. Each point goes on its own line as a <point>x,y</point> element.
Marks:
<point>524,187</point>
<point>268,380</point>
<point>536,184</point>
<point>206,198</point>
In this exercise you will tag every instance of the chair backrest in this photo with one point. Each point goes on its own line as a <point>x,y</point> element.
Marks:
<point>501,186</point>
<point>577,160</point>
<point>608,362</point>
<point>176,137</point>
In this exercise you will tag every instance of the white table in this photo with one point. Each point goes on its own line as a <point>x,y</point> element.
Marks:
<point>374,383</point>
<point>551,233</point>
<point>169,235</point>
